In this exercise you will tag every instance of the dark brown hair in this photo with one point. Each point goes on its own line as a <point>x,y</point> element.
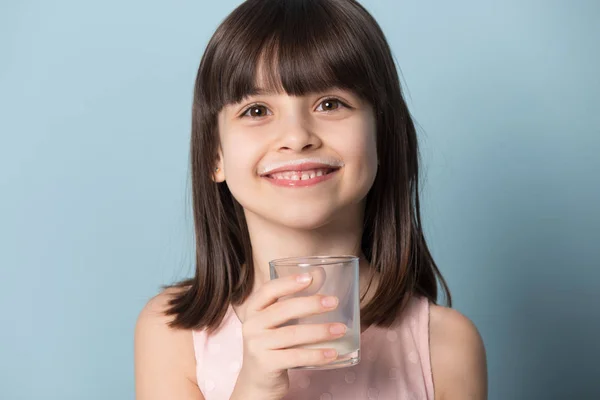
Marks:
<point>305,46</point>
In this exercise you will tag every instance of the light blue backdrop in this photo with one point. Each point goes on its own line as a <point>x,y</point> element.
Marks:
<point>95,102</point>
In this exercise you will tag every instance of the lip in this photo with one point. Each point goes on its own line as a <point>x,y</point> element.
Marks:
<point>302,164</point>
<point>330,165</point>
<point>302,182</point>
<point>301,167</point>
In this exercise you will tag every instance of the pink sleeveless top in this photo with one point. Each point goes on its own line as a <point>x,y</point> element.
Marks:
<point>394,364</point>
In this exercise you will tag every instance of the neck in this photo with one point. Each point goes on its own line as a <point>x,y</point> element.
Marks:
<point>270,240</point>
<point>341,236</point>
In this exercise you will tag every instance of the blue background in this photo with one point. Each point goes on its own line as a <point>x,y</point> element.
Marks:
<point>95,101</point>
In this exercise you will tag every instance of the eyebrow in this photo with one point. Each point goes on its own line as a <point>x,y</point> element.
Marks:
<point>255,91</point>
<point>259,91</point>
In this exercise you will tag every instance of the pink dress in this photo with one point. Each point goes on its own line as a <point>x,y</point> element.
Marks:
<point>394,363</point>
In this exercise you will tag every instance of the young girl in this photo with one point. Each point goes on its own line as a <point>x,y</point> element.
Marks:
<point>303,145</point>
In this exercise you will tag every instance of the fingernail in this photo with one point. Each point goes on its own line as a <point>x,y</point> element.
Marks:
<point>329,301</point>
<point>304,278</point>
<point>337,329</point>
<point>330,353</point>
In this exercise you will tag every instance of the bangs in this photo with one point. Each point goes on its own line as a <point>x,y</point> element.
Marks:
<point>295,47</point>
<point>301,47</point>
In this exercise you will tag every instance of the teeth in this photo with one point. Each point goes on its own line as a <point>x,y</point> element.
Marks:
<point>299,175</point>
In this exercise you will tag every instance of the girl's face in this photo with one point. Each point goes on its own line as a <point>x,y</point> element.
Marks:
<point>322,146</point>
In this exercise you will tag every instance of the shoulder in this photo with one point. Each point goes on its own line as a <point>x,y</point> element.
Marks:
<point>155,307</point>
<point>153,318</point>
<point>164,356</point>
<point>458,360</point>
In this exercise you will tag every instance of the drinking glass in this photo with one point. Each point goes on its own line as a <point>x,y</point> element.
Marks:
<point>331,276</point>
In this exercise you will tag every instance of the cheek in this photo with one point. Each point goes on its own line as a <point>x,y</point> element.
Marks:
<point>360,149</point>
<point>240,155</point>
<point>238,148</point>
<point>360,154</point>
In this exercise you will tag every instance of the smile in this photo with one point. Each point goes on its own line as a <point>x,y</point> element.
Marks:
<point>301,172</point>
<point>301,178</point>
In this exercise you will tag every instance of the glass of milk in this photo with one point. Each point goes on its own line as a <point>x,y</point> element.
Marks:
<point>332,276</point>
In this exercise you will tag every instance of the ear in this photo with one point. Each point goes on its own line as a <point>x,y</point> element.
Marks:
<point>219,171</point>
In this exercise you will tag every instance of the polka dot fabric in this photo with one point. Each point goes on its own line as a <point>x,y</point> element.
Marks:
<point>394,363</point>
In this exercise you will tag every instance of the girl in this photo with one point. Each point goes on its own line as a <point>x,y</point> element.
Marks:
<point>302,144</point>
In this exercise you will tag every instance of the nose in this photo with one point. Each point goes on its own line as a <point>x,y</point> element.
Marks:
<point>297,135</point>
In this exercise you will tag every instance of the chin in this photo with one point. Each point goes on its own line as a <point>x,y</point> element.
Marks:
<point>303,222</point>
<point>300,218</point>
<point>303,210</point>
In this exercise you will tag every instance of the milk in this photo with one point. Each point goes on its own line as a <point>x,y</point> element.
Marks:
<point>348,343</point>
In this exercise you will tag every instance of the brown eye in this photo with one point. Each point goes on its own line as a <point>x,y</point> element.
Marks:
<point>330,104</point>
<point>256,111</point>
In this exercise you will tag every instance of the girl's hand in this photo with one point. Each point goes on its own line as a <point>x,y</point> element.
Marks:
<point>268,349</point>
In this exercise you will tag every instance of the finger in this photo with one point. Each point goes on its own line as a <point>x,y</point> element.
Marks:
<point>292,358</point>
<point>296,335</point>
<point>272,290</point>
<point>318,280</point>
<point>297,307</point>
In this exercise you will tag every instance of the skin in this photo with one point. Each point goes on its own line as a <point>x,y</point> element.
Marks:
<point>287,222</point>
<point>284,222</point>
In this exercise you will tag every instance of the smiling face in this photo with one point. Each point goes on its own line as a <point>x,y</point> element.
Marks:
<point>298,161</point>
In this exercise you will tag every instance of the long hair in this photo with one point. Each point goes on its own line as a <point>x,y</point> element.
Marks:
<point>305,46</point>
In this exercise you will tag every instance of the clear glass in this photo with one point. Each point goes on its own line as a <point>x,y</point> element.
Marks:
<point>332,276</point>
